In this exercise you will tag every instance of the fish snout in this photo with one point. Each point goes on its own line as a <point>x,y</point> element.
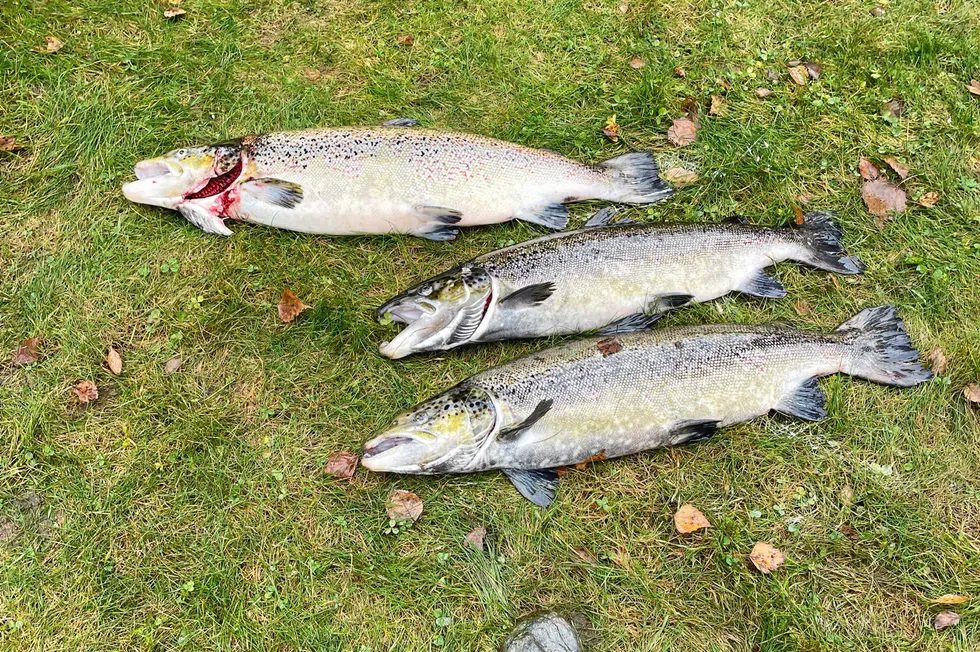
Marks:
<point>385,453</point>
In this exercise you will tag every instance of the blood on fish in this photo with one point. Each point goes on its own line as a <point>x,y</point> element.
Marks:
<point>218,184</point>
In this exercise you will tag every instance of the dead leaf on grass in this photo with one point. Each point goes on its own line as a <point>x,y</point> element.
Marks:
<point>290,307</point>
<point>974,87</point>
<point>680,72</point>
<point>972,393</point>
<point>799,74</point>
<point>341,465</point>
<point>475,538</point>
<point>598,457</point>
<point>609,346</point>
<point>406,39</point>
<point>868,170</point>
<point>766,558</point>
<point>878,11</point>
<point>26,353</point>
<point>717,105</point>
<point>8,144</point>
<point>585,556</point>
<point>114,361</point>
<point>173,364</point>
<point>637,63</point>
<point>929,199</point>
<point>883,198</point>
<point>86,391</point>
<point>173,12</point>
<point>312,74</point>
<point>937,361</point>
<point>798,217</point>
<point>52,46</point>
<point>900,169</point>
<point>683,132</point>
<point>680,177</point>
<point>689,519</point>
<point>894,108</point>
<point>611,129</point>
<point>946,619</point>
<point>950,598</point>
<point>813,69</point>
<point>762,93</point>
<point>404,506</point>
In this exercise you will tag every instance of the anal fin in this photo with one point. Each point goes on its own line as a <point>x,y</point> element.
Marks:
<point>692,430</point>
<point>805,402</point>
<point>761,284</point>
<point>553,216</point>
<point>274,191</point>
<point>537,485</point>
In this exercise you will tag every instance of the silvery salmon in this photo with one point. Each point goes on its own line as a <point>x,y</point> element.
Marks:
<point>388,179</point>
<point>608,278</point>
<point>608,397</point>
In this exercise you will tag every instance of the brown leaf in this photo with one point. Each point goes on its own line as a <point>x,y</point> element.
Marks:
<point>475,538</point>
<point>680,72</point>
<point>404,506</point>
<point>173,364</point>
<point>799,74</point>
<point>813,69</point>
<point>766,558</point>
<point>86,391</point>
<point>173,12</point>
<point>114,361</point>
<point>682,132</point>
<point>901,170</point>
<point>623,8</point>
<point>868,169</point>
<point>772,75</point>
<point>341,465</point>
<point>762,93</point>
<point>26,353</point>
<point>637,63</point>
<point>585,556</point>
<point>598,457</point>
<point>883,198</point>
<point>929,199</point>
<point>894,108</point>
<point>805,198</point>
<point>798,217</point>
<point>801,307</point>
<point>937,361</point>
<point>974,87</point>
<point>680,177</point>
<point>611,130</point>
<point>609,346</point>
<point>972,393</point>
<point>878,11</point>
<point>689,519</point>
<point>290,307</point>
<point>950,598</point>
<point>406,40</point>
<point>716,105</point>
<point>946,619</point>
<point>9,144</point>
<point>52,45</point>
<point>312,74</point>
<point>690,108</point>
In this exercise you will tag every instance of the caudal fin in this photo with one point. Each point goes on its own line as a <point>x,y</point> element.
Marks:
<point>636,179</point>
<point>823,238</point>
<point>881,349</point>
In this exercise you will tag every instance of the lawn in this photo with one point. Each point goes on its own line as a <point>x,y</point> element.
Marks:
<point>191,509</point>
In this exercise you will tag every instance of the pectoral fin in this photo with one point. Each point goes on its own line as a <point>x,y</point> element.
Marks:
<point>530,295</point>
<point>538,486</point>
<point>514,432</point>
<point>806,402</point>
<point>273,191</point>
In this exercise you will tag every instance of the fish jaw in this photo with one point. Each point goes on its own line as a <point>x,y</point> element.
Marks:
<point>386,453</point>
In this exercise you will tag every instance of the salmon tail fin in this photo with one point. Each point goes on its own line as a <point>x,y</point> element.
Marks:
<point>822,239</point>
<point>636,179</point>
<point>881,350</point>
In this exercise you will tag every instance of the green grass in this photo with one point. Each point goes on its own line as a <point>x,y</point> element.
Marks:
<point>191,510</point>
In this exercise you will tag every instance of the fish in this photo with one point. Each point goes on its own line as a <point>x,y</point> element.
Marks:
<point>600,398</point>
<point>394,178</point>
<point>543,632</point>
<point>607,277</point>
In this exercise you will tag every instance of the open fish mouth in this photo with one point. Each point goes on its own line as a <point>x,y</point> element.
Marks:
<point>431,327</point>
<point>156,168</point>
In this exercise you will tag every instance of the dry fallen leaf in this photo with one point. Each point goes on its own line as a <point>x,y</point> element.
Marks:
<point>972,394</point>
<point>52,45</point>
<point>585,556</point>
<point>801,307</point>
<point>290,307</point>
<point>937,361</point>
<point>637,63</point>
<point>689,519</point>
<point>680,177</point>
<point>805,198</point>
<point>766,558</point>
<point>475,538</point>
<point>974,87</point>
<point>883,198</point>
<point>950,598</point>
<point>86,391</point>
<point>762,93</point>
<point>404,506</point>
<point>609,346</point>
<point>623,8</point>
<point>611,130</point>
<point>929,199</point>
<point>114,361</point>
<point>894,108</point>
<point>900,169</point>
<point>813,69</point>
<point>799,74</point>
<point>868,169</point>
<point>682,132</point>
<point>878,11</point>
<point>173,364</point>
<point>619,556</point>
<point>680,72</point>
<point>312,74</point>
<point>341,465</point>
<point>716,105</point>
<point>946,619</point>
<point>26,353</point>
<point>406,40</point>
<point>9,144</point>
<point>173,12</point>
<point>798,217</point>
<point>598,457</point>
<point>772,75</point>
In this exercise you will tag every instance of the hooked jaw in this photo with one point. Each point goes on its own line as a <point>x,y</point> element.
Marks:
<point>391,453</point>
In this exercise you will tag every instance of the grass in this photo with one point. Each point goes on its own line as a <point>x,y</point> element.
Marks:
<point>191,510</point>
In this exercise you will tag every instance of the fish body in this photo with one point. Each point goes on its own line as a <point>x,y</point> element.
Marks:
<point>617,277</point>
<point>387,179</point>
<point>601,398</point>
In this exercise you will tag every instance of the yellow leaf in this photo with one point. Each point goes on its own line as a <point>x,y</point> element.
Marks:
<point>114,360</point>
<point>950,598</point>
<point>766,558</point>
<point>689,519</point>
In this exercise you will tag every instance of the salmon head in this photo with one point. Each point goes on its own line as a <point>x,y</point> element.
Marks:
<point>197,181</point>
